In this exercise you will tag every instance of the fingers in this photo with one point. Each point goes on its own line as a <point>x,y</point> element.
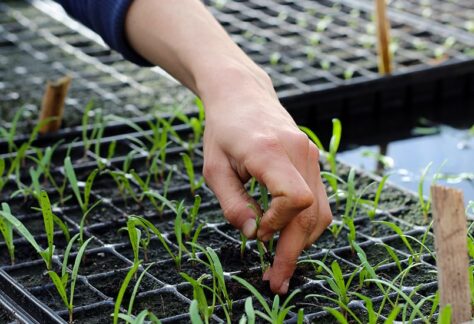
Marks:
<point>301,231</point>
<point>233,198</point>
<point>290,192</point>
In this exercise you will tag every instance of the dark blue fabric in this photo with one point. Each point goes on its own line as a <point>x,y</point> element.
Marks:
<point>106,18</point>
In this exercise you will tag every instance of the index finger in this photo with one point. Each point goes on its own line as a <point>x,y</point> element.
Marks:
<point>291,243</point>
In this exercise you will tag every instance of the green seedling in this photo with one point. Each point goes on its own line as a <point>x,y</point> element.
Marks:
<point>188,224</point>
<point>48,218</point>
<point>262,250</point>
<point>196,124</point>
<point>372,212</point>
<point>275,58</point>
<point>84,199</point>
<point>274,314</point>
<point>127,317</point>
<point>415,255</point>
<point>194,183</point>
<point>200,309</point>
<point>7,233</point>
<point>149,228</point>
<point>89,137</point>
<point>424,204</point>
<point>62,281</point>
<point>3,179</point>
<point>144,317</point>
<point>336,281</point>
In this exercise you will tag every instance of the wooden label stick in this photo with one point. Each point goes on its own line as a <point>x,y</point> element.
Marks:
<point>450,229</point>
<point>53,104</point>
<point>383,37</point>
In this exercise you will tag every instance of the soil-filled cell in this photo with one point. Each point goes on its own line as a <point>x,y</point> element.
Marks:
<point>163,304</point>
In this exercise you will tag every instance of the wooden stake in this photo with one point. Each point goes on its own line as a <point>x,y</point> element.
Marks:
<point>450,229</point>
<point>53,104</point>
<point>383,38</point>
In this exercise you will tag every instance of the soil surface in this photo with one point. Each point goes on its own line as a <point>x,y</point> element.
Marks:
<point>164,304</point>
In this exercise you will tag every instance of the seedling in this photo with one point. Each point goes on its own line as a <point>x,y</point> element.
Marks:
<point>218,288</point>
<point>89,137</point>
<point>82,200</point>
<point>61,282</point>
<point>415,256</point>
<point>275,58</point>
<point>196,124</point>
<point>7,233</point>
<point>371,213</point>
<point>200,309</point>
<point>48,218</point>
<point>424,204</point>
<point>127,317</point>
<point>336,281</point>
<point>273,314</point>
<point>148,228</point>
<point>194,183</point>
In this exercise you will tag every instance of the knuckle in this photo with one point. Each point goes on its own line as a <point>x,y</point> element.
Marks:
<point>267,143</point>
<point>313,151</point>
<point>326,218</point>
<point>209,171</point>
<point>301,200</point>
<point>306,222</point>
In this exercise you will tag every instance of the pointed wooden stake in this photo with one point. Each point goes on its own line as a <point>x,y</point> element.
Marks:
<point>53,104</point>
<point>450,229</point>
<point>383,37</point>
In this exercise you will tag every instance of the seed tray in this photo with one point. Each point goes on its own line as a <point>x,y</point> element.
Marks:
<point>319,54</point>
<point>109,256</point>
<point>36,46</point>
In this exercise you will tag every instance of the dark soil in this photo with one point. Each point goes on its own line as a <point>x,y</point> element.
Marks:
<point>230,230</point>
<point>329,319</point>
<point>98,262</point>
<point>365,226</point>
<point>376,255</point>
<point>23,253</point>
<point>420,274</point>
<point>6,316</point>
<point>32,275</point>
<point>83,295</point>
<point>313,304</point>
<point>254,277</point>
<point>207,238</point>
<point>398,243</point>
<point>166,271</point>
<point>327,241</point>
<point>156,252</point>
<point>163,304</point>
<point>102,213</point>
<point>231,259</point>
<point>110,285</point>
<point>97,315</point>
<point>310,270</point>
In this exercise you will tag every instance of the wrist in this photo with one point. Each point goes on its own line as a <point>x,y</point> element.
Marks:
<point>234,79</point>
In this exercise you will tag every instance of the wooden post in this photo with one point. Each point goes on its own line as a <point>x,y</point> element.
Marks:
<point>383,38</point>
<point>53,104</point>
<point>450,229</point>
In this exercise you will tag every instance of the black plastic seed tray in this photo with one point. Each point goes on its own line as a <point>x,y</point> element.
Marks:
<point>34,49</point>
<point>109,255</point>
<point>320,54</point>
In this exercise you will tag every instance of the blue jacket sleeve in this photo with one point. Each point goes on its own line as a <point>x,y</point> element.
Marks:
<point>107,18</point>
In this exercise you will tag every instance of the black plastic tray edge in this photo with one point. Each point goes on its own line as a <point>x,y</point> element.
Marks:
<point>20,296</point>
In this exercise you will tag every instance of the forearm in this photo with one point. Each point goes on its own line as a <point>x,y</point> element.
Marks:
<point>184,39</point>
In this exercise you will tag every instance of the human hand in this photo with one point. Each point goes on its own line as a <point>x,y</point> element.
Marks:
<point>248,133</point>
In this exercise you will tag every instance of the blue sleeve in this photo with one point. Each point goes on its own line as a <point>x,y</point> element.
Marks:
<point>106,18</point>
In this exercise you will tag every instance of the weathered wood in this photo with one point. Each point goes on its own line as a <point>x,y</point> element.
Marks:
<point>450,229</point>
<point>53,104</point>
<point>383,37</point>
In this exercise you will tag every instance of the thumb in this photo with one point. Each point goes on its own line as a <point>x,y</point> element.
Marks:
<point>233,198</point>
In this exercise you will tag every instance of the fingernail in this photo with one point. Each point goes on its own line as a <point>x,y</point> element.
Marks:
<point>284,287</point>
<point>249,228</point>
<point>266,275</point>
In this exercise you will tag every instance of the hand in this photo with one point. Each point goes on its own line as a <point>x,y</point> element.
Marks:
<point>248,133</point>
